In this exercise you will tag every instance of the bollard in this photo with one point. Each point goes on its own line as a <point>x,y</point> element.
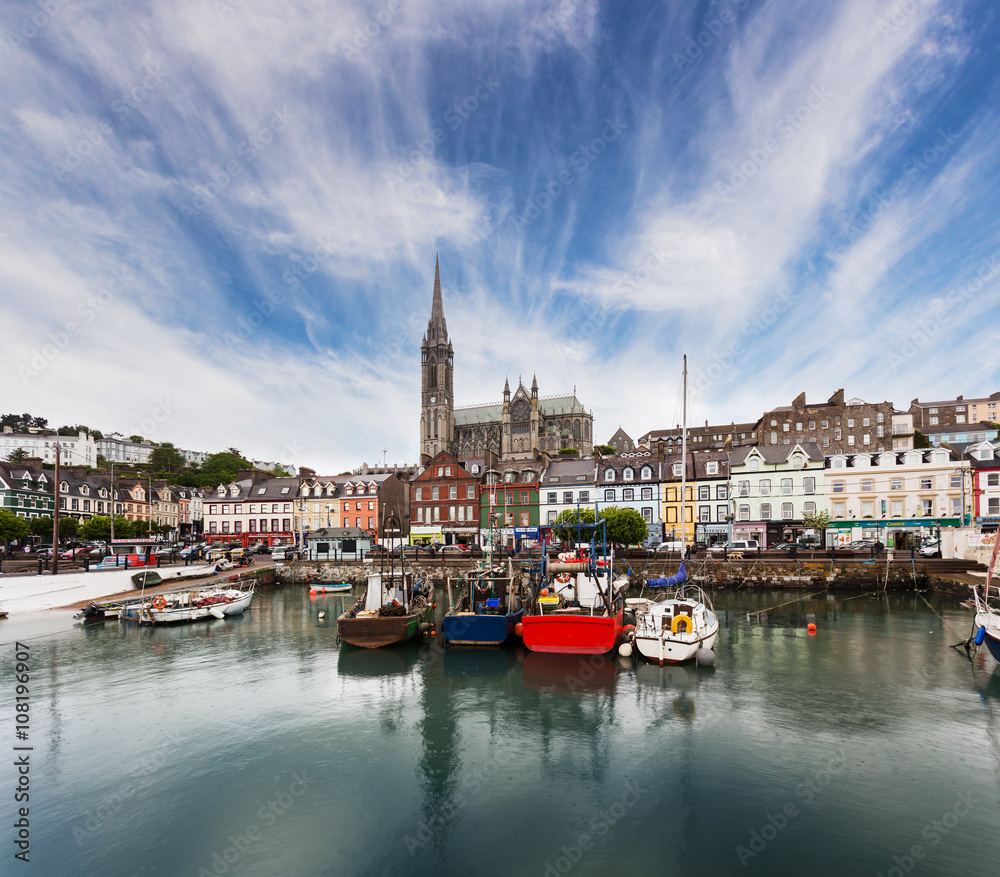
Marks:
<point>86,562</point>
<point>41,560</point>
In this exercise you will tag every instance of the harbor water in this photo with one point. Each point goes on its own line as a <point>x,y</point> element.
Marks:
<point>258,746</point>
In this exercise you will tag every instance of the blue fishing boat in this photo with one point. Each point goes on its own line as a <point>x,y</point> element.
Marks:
<point>488,609</point>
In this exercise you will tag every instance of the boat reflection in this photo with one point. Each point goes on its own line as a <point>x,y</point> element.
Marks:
<point>398,660</point>
<point>479,662</point>
<point>570,674</point>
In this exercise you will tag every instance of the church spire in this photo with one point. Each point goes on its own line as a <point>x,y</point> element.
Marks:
<point>437,328</point>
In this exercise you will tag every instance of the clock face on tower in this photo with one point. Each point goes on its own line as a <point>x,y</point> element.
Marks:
<point>433,399</point>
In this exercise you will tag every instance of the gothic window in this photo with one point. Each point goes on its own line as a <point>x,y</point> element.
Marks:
<point>432,373</point>
<point>576,429</point>
<point>586,430</point>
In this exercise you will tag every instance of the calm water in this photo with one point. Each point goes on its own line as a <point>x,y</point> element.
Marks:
<point>258,747</point>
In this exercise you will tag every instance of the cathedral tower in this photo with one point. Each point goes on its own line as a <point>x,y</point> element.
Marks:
<point>437,388</point>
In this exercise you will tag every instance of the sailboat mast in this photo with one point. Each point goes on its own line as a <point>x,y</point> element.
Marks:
<point>684,456</point>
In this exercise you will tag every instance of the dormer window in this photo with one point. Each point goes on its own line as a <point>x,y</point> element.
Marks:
<point>64,487</point>
<point>628,474</point>
<point>711,468</point>
<point>609,474</point>
<point>646,473</point>
<point>221,491</point>
<point>677,469</point>
<point>349,489</point>
<point>753,464</point>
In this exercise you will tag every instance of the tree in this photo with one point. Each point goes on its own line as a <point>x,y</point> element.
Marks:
<point>78,428</point>
<point>123,527</point>
<point>12,526</point>
<point>23,422</point>
<point>18,455</point>
<point>136,438</point>
<point>280,471</point>
<point>139,528</point>
<point>221,468</point>
<point>68,527</point>
<point>625,526</point>
<point>819,521</point>
<point>41,527</point>
<point>568,452</point>
<point>166,458</point>
<point>98,528</point>
<point>574,516</point>
<point>606,450</point>
<point>920,440</point>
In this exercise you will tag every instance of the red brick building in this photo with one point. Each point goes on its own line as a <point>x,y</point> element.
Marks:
<point>444,503</point>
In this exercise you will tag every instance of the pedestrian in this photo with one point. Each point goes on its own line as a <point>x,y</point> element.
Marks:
<point>879,547</point>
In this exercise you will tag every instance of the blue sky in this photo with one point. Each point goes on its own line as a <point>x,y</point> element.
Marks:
<point>219,218</point>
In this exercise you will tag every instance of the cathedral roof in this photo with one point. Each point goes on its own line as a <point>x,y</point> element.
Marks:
<point>477,414</point>
<point>437,328</point>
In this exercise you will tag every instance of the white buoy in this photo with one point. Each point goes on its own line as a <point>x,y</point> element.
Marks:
<point>625,650</point>
<point>322,614</point>
<point>706,657</point>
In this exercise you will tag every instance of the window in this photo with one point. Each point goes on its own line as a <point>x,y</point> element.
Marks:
<point>263,525</point>
<point>609,496</point>
<point>798,427</point>
<point>451,513</point>
<point>896,484</point>
<point>959,418</point>
<point>932,411</point>
<point>897,508</point>
<point>867,509</point>
<point>567,496</point>
<point>926,483</point>
<point>836,434</point>
<point>838,510</point>
<point>839,486</point>
<point>225,526</point>
<point>704,492</point>
<point>753,464</point>
<point>826,441</point>
<point>850,423</point>
<point>765,511</point>
<point>347,507</point>
<point>470,491</point>
<point>420,514</point>
<point>553,497</point>
<point>646,473</point>
<point>765,486</point>
<point>525,520</point>
<point>927,507</point>
<point>784,427</point>
<point>786,486</point>
<point>712,468</point>
<point>774,438</point>
<point>808,508</point>
<point>866,439</point>
<point>993,479</point>
<point>435,493</point>
<point>628,474</point>
<point>584,496</point>
<point>812,424</point>
<point>720,512</point>
<point>826,424</point>
<point>357,509</point>
<point>647,515</point>
<point>252,526</point>
<point>744,488</point>
<point>238,527</point>
<point>552,517</point>
<point>744,512</point>
<point>628,494</point>
<point>452,491</point>
<point>211,527</point>
<point>704,513</point>
<point>809,485</point>
<point>609,474</point>
<point>436,512</point>
<point>676,469</point>
<point>933,421</point>
<point>774,423</point>
<point>508,498</point>
<point>850,441</point>
<point>956,505</point>
<point>880,431</point>
<point>994,506</point>
<point>867,485</point>
<point>721,491</point>
<point>447,471</point>
<point>956,479</point>
<point>787,512</point>
<point>525,497</point>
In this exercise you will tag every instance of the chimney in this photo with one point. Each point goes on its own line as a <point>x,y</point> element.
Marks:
<point>799,402</point>
<point>306,472</point>
<point>32,464</point>
<point>837,399</point>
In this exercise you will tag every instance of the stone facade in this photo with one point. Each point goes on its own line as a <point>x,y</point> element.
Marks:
<point>952,412</point>
<point>836,426</point>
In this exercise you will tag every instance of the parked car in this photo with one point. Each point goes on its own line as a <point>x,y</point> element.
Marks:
<point>669,546</point>
<point>457,548</point>
<point>788,546</point>
<point>930,549</point>
<point>45,551</point>
<point>73,553</point>
<point>285,552</point>
<point>861,545</point>
<point>736,545</point>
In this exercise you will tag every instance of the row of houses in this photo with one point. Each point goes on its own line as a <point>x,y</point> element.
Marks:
<point>28,490</point>
<point>762,492</point>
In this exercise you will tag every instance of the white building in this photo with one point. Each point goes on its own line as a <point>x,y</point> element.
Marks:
<point>118,449</point>
<point>567,484</point>
<point>79,450</point>
<point>632,481</point>
<point>879,495</point>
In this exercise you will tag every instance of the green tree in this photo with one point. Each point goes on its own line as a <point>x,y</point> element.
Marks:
<point>69,528</point>
<point>574,516</point>
<point>12,527</point>
<point>78,428</point>
<point>606,450</point>
<point>41,527</point>
<point>140,529</point>
<point>98,528</point>
<point>222,468</point>
<point>123,527</point>
<point>136,438</point>
<point>166,458</point>
<point>625,526</point>
<point>18,455</point>
<point>819,521</point>
<point>281,472</point>
<point>23,422</point>
<point>920,440</point>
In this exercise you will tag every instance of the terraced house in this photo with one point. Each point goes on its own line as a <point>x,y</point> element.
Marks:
<point>444,503</point>
<point>26,489</point>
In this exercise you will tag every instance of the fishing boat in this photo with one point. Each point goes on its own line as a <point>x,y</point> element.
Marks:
<point>393,609</point>
<point>488,609</point>
<point>678,626</point>
<point>986,625</point>
<point>319,588</point>
<point>575,608</point>
<point>194,605</point>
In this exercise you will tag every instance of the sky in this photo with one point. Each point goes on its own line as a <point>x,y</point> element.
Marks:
<point>219,218</point>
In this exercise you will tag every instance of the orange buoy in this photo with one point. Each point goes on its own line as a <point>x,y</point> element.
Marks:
<point>519,629</point>
<point>811,628</point>
<point>434,633</point>
<point>545,592</point>
<point>434,605</point>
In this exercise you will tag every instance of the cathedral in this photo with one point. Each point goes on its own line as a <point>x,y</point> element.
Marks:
<point>524,426</point>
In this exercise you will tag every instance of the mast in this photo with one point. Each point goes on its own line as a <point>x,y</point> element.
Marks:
<point>684,440</point>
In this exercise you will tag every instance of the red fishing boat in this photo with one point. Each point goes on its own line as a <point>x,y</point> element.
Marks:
<point>576,608</point>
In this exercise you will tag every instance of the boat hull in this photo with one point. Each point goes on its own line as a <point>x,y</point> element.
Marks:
<point>991,639</point>
<point>572,634</point>
<point>146,614</point>
<point>468,629</point>
<point>380,631</point>
<point>675,649</point>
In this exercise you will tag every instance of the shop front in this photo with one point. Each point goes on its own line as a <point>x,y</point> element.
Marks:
<point>899,533</point>
<point>425,535</point>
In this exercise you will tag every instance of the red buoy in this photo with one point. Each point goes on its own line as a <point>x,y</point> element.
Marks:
<point>811,628</point>
<point>519,629</point>
<point>545,592</point>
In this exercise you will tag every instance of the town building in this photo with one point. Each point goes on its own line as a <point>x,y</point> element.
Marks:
<point>165,509</point>
<point>521,427</point>
<point>338,543</point>
<point>956,412</point>
<point>82,496</point>
<point>134,494</point>
<point>255,507</point>
<point>508,504</point>
<point>714,515</point>
<point>902,430</point>
<point>621,442</point>
<point>344,501</point>
<point>984,458</point>
<point>972,433</point>
<point>74,450</point>
<point>897,497</point>
<point>632,480</point>
<point>773,487</point>
<point>444,503</point>
<point>115,448</point>
<point>703,438</point>
<point>838,427</point>
<point>568,483</point>
<point>26,489</point>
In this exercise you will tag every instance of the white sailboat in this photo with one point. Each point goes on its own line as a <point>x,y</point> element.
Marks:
<point>681,623</point>
<point>986,626</point>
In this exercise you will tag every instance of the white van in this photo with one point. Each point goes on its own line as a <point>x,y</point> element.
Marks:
<point>736,545</point>
<point>284,552</point>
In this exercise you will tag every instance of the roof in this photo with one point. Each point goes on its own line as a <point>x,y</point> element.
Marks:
<point>776,454</point>
<point>337,533</point>
<point>568,471</point>
<point>479,414</point>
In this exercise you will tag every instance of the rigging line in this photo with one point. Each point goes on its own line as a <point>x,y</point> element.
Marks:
<point>947,626</point>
